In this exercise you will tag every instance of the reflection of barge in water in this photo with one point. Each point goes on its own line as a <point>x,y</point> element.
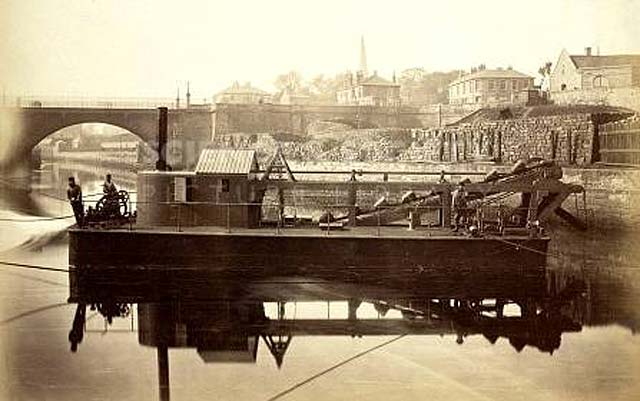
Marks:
<point>215,218</point>
<point>230,326</point>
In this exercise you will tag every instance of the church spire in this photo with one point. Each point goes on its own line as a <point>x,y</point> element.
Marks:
<point>363,58</point>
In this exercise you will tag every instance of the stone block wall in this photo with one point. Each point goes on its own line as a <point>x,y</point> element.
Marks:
<point>567,139</point>
<point>612,197</point>
<point>628,97</point>
<point>295,119</point>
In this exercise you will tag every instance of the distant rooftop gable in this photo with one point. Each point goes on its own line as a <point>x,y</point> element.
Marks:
<point>606,61</point>
<point>376,80</point>
<point>236,88</point>
<point>492,74</point>
<point>227,161</point>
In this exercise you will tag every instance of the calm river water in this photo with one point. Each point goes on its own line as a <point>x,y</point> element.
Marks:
<point>592,354</point>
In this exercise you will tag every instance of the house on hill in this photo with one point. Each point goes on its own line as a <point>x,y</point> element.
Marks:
<point>242,94</point>
<point>575,72</point>
<point>370,91</point>
<point>485,87</point>
<point>593,79</point>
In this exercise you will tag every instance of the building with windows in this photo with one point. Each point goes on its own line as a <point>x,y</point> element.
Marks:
<point>490,87</point>
<point>588,71</point>
<point>242,94</point>
<point>612,80</point>
<point>362,89</point>
<point>371,91</point>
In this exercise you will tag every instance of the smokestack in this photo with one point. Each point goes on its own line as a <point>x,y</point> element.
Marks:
<point>161,164</point>
<point>587,50</point>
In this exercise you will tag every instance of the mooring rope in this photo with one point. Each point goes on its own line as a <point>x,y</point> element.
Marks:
<point>34,267</point>
<point>334,367</point>
<point>35,220</point>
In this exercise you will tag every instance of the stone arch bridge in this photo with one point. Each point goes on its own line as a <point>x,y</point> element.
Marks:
<point>24,127</point>
<point>24,124</point>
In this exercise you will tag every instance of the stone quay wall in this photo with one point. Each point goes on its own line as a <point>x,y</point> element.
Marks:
<point>568,139</point>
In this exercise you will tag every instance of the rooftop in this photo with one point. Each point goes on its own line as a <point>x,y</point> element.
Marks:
<point>376,80</point>
<point>236,88</point>
<point>584,61</point>
<point>227,161</point>
<point>492,74</point>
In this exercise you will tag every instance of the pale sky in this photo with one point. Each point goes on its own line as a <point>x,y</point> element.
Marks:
<point>140,48</point>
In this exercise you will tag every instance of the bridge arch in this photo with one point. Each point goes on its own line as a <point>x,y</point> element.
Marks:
<point>96,142</point>
<point>39,123</point>
<point>33,124</point>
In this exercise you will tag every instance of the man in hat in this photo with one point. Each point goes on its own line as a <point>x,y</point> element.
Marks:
<point>111,194</point>
<point>74,194</point>
<point>459,205</point>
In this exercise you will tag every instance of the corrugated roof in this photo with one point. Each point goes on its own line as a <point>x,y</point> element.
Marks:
<point>606,61</point>
<point>227,161</point>
<point>492,74</point>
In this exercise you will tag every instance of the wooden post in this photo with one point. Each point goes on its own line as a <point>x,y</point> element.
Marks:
<point>414,219</point>
<point>352,203</point>
<point>163,372</point>
<point>280,204</point>
<point>532,214</point>
<point>445,197</point>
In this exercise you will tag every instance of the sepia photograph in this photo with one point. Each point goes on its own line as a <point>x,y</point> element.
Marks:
<point>294,200</point>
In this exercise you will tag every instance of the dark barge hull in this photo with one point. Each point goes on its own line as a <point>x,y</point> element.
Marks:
<point>426,265</point>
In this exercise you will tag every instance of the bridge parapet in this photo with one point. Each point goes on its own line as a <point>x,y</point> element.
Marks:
<point>87,102</point>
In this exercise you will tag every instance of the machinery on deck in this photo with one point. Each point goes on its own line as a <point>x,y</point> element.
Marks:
<point>519,200</point>
<point>489,202</point>
<point>111,210</point>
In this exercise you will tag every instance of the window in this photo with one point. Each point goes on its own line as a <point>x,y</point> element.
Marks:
<point>514,85</point>
<point>180,189</point>
<point>503,84</point>
<point>492,85</point>
<point>224,185</point>
<point>600,81</point>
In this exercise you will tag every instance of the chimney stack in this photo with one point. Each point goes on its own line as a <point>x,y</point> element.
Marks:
<point>587,50</point>
<point>161,164</point>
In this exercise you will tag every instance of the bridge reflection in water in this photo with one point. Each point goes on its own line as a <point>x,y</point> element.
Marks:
<point>225,320</point>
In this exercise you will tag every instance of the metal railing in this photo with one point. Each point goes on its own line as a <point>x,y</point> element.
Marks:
<point>33,101</point>
<point>329,219</point>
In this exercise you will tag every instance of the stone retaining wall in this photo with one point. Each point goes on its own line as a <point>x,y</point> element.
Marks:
<point>295,119</point>
<point>624,97</point>
<point>567,139</point>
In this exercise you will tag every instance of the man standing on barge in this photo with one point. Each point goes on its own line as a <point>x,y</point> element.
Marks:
<point>74,194</point>
<point>109,188</point>
<point>459,206</point>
